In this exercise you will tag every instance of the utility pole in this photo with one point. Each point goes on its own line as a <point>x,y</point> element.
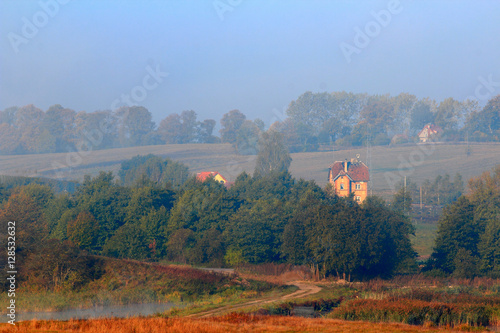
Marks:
<point>420,197</point>
<point>369,158</point>
<point>404,198</point>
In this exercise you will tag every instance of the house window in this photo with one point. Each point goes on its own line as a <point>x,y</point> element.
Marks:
<point>358,198</point>
<point>342,186</point>
<point>358,186</point>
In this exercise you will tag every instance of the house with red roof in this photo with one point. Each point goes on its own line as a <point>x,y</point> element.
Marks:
<point>429,132</point>
<point>350,177</point>
<point>202,176</point>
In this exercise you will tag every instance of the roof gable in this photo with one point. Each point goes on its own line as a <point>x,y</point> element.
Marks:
<point>202,176</point>
<point>356,171</point>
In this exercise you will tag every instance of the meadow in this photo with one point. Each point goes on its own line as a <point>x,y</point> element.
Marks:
<point>389,164</point>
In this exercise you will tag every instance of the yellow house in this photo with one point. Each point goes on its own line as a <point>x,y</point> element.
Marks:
<point>202,176</point>
<point>350,177</point>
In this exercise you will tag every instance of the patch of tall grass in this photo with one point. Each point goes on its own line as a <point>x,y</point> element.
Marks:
<point>414,312</point>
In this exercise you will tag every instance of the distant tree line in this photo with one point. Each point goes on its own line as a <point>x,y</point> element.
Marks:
<point>145,215</point>
<point>349,119</point>
<point>339,118</point>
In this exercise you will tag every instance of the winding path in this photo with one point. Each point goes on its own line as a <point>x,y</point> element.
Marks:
<point>305,289</point>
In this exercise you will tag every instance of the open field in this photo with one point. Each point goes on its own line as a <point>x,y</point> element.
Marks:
<point>388,164</point>
<point>423,241</point>
<point>229,323</point>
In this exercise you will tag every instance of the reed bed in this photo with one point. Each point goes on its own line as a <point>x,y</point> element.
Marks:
<point>229,323</point>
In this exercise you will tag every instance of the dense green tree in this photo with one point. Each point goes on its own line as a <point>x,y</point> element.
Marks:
<point>457,230</point>
<point>290,135</point>
<point>170,129</point>
<point>154,225</point>
<point>143,199</point>
<point>209,248</point>
<point>361,242</point>
<point>10,140</point>
<point>489,246</point>
<point>448,114</point>
<point>97,129</point>
<point>180,244</point>
<point>299,228</point>
<point>158,170</point>
<point>106,201</point>
<point>485,124</point>
<point>130,242</point>
<point>135,126</point>
<point>54,209</point>
<point>247,138</point>
<point>31,227</point>
<point>8,116</point>
<point>313,110</point>
<point>60,122</point>
<point>273,155</point>
<point>256,230</point>
<point>421,115</point>
<point>205,132</point>
<point>189,126</point>
<point>404,105</point>
<point>202,206</point>
<point>231,123</point>
<point>83,231</point>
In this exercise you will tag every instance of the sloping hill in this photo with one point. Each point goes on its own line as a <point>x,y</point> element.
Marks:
<point>388,164</point>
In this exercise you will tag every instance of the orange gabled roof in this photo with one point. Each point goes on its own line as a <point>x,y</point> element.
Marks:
<point>202,176</point>
<point>357,171</point>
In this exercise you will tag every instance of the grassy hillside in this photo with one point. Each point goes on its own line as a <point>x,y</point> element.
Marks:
<point>388,164</point>
<point>134,282</point>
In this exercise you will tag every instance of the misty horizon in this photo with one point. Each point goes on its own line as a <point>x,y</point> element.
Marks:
<point>257,57</point>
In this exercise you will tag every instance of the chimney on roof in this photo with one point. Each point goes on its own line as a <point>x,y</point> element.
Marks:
<point>345,165</point>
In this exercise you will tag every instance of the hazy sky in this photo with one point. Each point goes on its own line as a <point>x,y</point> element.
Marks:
<point>251,55</point>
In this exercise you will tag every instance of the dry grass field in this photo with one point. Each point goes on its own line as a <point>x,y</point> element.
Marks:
<point>228,323</point>
<point>388,164</point>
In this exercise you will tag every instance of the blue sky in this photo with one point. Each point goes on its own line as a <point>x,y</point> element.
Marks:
<point>257,56</point>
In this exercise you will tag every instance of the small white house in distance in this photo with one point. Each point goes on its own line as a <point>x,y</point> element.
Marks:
<point>429,132</point>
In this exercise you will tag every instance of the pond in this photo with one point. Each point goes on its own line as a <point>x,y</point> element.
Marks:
<point>116,311</point>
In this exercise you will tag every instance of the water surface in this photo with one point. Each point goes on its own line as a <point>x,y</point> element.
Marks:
<point>115,311</point>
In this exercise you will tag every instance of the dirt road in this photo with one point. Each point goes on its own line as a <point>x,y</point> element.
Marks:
<point>305,289</point>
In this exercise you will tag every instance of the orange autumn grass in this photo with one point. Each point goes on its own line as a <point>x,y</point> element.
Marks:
<point>234,322</point>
